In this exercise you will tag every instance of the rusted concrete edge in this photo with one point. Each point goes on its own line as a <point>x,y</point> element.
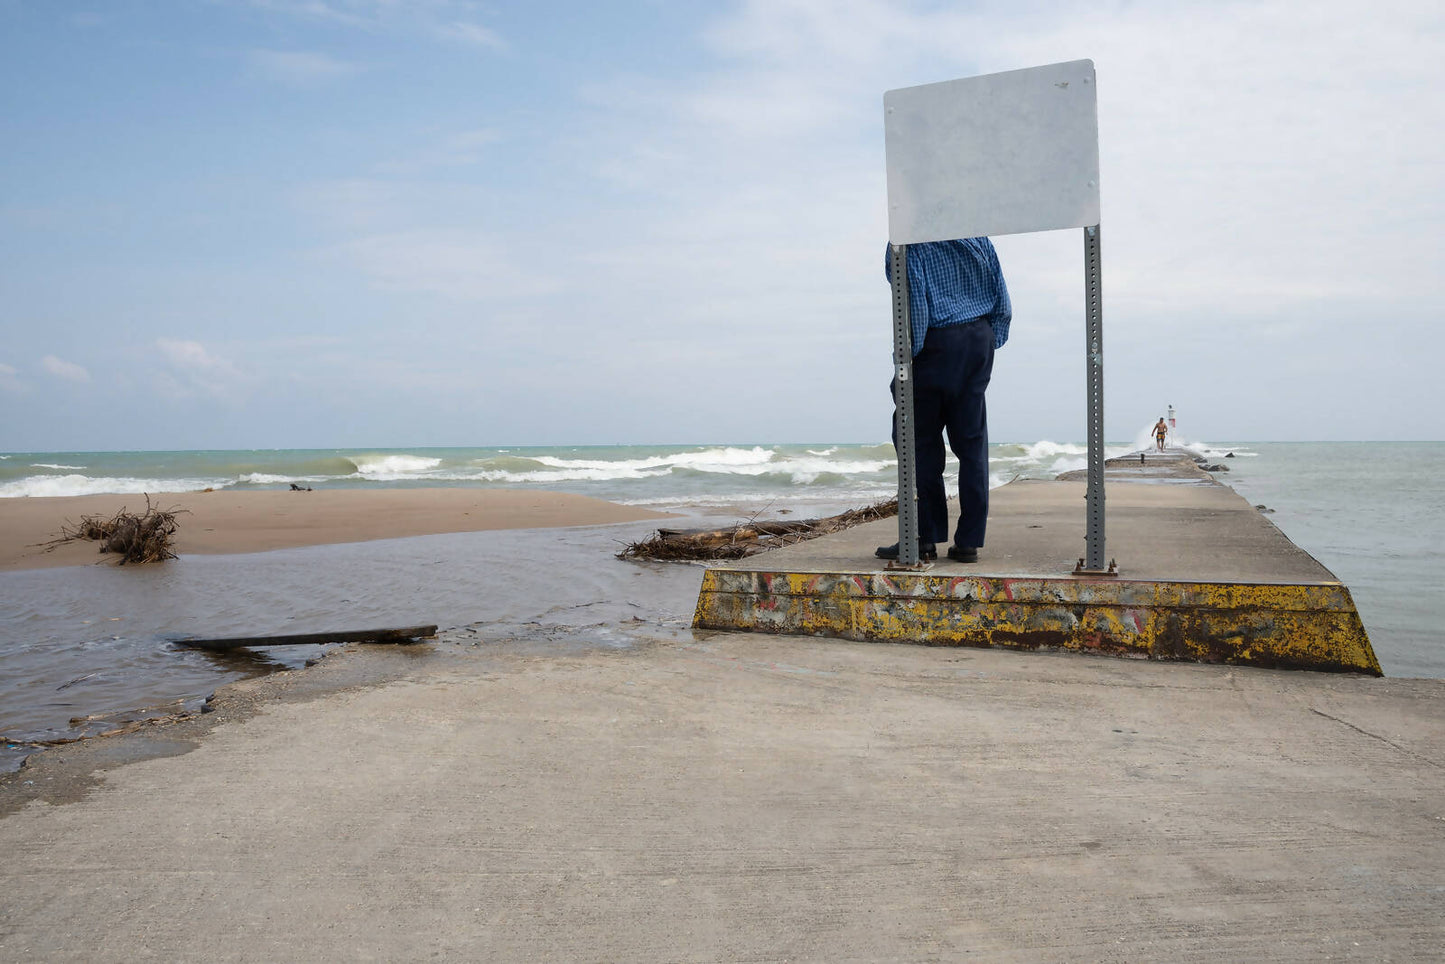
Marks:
<point>1300,626</point>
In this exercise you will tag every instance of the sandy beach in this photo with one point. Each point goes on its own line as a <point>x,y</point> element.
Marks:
<point>221,522</point>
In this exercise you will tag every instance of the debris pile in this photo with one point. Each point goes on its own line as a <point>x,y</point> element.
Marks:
<point>748,538</point>
<point>135,538</point>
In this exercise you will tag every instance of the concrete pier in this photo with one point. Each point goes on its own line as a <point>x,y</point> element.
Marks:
<point>1202,576</point>
<point>745,797</point>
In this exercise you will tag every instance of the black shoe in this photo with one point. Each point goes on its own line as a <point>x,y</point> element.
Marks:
<point>927,551</point>
<point>963,553</point>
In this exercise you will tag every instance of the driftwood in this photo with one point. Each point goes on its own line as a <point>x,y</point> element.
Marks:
<point>402,635</point>
<point>742,530</point>
<point>135,538</point>
<point>748,538</point>
<point>127,722</point>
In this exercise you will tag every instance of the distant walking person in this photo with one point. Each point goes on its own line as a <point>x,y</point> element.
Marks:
<point>960,312</point>
<point>1160,431</point>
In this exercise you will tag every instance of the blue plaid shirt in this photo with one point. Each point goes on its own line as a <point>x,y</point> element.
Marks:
<point>951,282</point>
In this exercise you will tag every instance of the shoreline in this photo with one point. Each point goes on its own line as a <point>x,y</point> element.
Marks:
<point>224,522</point>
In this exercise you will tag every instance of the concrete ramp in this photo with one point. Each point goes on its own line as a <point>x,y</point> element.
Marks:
<point>1202,576</point>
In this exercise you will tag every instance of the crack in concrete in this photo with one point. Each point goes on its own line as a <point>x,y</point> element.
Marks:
<point>1387,742</point>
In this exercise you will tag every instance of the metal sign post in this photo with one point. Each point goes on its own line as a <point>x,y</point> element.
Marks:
<point>1093,561</point>
<point>903,412</point>
<point>1004,153</point>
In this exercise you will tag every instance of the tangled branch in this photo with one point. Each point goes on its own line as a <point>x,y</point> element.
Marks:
<point>135,538</point>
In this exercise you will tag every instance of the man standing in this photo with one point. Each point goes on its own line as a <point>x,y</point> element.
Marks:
<point>960,312</point>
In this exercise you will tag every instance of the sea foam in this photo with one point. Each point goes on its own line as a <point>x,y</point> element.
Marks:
<point>53,486</point>
<point>753,462</point>
<point>394,467</point>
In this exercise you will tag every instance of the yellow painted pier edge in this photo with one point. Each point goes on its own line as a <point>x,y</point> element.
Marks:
<point>1303,626</point>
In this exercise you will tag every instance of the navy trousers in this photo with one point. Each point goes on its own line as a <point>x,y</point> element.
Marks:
<point>950,376</point>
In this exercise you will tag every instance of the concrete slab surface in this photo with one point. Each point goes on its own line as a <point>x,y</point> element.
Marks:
<point>750,797</point>
<point>1191,533</point>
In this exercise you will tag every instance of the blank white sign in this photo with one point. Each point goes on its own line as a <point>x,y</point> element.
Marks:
<point>998,154</point>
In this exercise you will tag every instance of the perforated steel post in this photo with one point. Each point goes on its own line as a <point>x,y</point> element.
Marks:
<point>903,409</point>
<point>1094,386</point>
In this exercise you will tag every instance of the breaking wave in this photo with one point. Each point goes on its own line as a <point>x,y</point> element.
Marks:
<point>55,486</point>
<point>654,474</point>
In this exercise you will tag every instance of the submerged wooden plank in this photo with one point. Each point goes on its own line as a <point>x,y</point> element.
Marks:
<point>402,635</point>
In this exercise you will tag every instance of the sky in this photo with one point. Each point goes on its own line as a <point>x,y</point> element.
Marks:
<point>332,223</point>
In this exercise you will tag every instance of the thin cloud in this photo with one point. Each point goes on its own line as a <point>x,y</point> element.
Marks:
<point>348,13</point>
<point>471,34</point>
<point>1224,147</point>
<point>447,20</point>
<point>10,379</point>
<point>460,265</point>
<point>299,68</point>
<point>459,149</point>
<point>191,369</point>
<point>190,355</point>
<point>1248,188</point>
<point>60,368</point>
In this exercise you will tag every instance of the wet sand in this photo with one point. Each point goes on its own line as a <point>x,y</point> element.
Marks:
<point>222,522</point>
